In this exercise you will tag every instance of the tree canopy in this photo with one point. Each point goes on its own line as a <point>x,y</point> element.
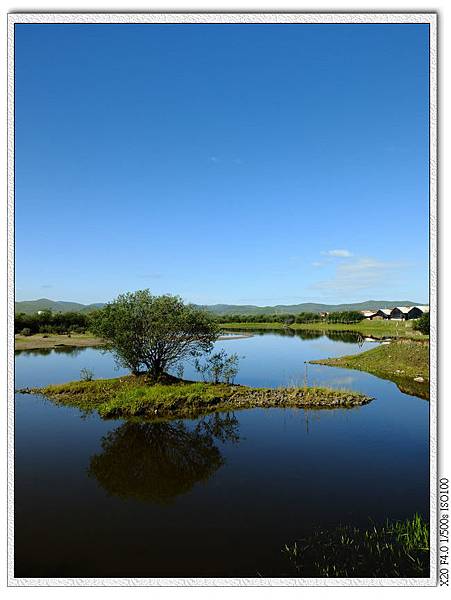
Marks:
<point>153,333</point>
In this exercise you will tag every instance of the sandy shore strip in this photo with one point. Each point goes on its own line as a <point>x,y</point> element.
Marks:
<point>237,336</point>
<point>35,342</point>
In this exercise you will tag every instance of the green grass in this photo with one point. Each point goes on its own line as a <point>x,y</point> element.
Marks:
<point>395,549</point>
<point>138,397</point>
<point>400,361</point>
<point>386,328</point>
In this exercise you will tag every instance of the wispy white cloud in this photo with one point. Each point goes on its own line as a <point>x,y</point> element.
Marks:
<point>340,253</point>
<point>363,274</point>
<point>317,264</point>
<point>226,160</point>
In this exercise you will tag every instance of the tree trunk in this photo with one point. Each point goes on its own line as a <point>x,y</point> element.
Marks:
<point>156,370</point>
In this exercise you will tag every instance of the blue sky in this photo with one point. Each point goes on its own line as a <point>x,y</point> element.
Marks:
<point>249,164</point>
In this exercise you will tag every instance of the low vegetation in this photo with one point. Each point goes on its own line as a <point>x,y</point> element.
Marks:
<point>406,362</point>
<point>395,549</point>
<point>137,396</point>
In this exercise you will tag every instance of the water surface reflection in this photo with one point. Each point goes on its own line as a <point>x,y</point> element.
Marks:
<point>155,462</point>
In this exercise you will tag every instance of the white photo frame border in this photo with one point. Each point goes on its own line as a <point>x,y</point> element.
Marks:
<point>429,18</point>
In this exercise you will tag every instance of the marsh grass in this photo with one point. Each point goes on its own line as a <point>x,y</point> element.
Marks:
<point>394,549</point>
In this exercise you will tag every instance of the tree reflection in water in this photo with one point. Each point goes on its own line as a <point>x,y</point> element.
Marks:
<point>155,462</point>
<point>349,337</point>
<point>63,349</point>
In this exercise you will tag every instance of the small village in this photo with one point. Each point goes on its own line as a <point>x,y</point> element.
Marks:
<point>398,313</point>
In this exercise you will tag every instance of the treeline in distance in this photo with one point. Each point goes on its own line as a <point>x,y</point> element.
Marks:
<point>351,316</point>
<point>76,322</point>
<point>48,322</point>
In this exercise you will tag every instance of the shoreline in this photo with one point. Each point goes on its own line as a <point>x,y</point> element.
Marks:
<point>404,362</point>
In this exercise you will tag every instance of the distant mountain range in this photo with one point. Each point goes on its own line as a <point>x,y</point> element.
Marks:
<point>32,306</point>
<point>283,309</point>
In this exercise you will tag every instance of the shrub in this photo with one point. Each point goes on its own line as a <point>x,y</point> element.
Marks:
<point>422,324</point>
<point>86,374</point>
<point>219,367</point>
<point>26,331</point>
<point>308,317</point>
<point>348,316</point>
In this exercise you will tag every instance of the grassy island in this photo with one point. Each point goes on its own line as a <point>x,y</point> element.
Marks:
<point>136,396</point>
<point>404,362</point>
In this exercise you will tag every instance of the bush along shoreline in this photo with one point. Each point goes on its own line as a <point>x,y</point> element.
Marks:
<point>171,398</point>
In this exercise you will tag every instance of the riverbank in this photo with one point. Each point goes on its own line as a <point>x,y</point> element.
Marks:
<point>133,396</point>
<point>405,362</point>
<point>377,329</point>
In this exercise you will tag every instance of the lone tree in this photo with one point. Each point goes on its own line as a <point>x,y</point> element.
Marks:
<point>153,333</point>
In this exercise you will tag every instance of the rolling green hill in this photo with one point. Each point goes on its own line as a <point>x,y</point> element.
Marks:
<point>32,306</point>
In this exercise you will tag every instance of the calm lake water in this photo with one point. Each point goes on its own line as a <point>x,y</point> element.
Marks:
<point>213,497</point>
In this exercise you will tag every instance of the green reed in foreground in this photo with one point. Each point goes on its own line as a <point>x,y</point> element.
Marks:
<point>395,549</point>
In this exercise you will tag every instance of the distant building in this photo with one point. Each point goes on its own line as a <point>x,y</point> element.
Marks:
<point>405,313</point>
<point>400,313</point>
<point>368,314</point>
<point>415,312</point>
<point>383,313</point>
<point>424,308</point>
